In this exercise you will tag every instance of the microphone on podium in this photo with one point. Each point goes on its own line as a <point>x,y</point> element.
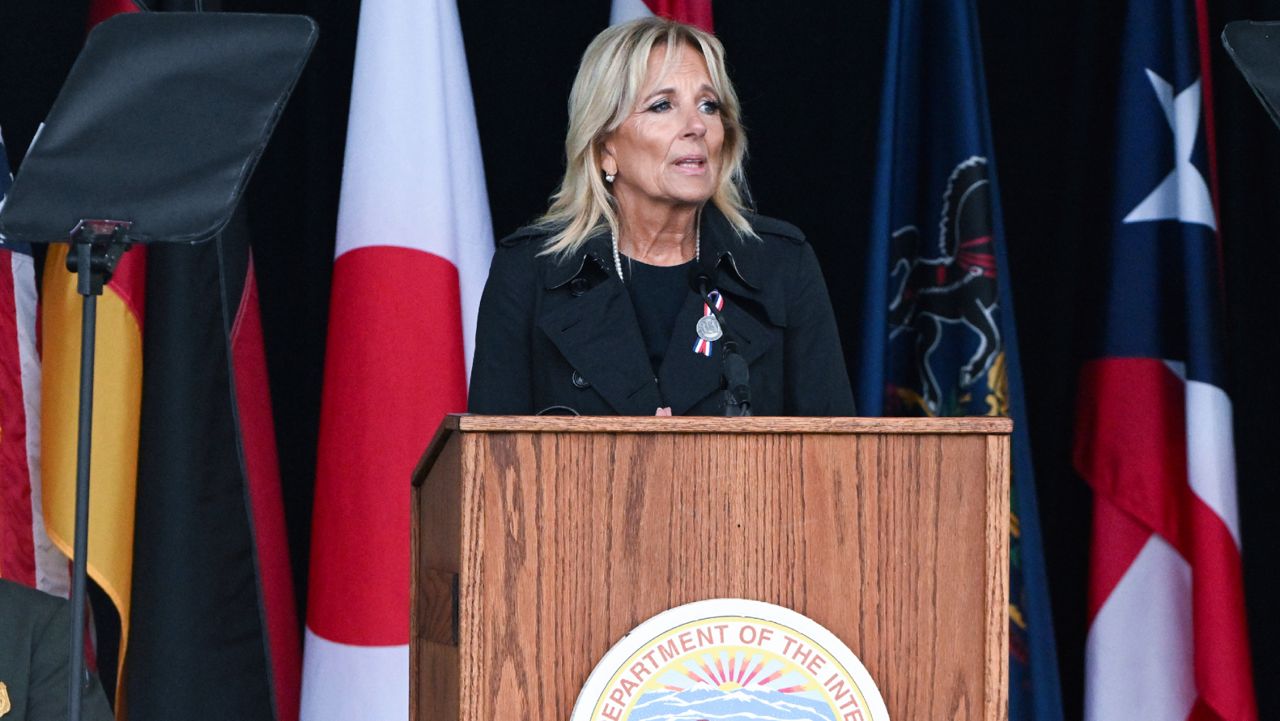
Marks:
<point>733,367</point>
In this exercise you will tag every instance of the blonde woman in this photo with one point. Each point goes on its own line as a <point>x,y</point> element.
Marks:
<point>648,288</point>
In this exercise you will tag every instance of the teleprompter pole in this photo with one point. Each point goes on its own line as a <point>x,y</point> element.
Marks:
<point>96,247</point>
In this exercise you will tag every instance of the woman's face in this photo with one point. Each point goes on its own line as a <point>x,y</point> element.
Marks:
<point>667,152</point>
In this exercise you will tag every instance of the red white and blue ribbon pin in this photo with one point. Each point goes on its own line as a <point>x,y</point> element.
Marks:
<point>709,329</point>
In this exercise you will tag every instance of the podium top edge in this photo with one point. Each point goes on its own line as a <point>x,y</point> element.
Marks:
<point>983,425</point>
<point>467,423</point>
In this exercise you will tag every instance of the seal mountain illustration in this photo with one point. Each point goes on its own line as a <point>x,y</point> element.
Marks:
<point>730,660</point>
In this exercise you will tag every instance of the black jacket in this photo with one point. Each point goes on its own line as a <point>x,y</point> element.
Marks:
<point>563,332</point>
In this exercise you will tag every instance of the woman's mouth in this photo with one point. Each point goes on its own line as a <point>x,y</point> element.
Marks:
<point>692,164</point>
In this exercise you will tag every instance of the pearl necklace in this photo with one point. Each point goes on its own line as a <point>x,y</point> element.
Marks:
<point>617,255</point>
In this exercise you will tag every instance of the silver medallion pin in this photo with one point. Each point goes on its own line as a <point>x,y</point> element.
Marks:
<point>709,328</point>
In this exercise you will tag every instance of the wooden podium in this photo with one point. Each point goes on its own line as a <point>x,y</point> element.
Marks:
<point>538,542</point>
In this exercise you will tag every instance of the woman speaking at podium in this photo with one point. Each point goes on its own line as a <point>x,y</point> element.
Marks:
<point>647,287</point>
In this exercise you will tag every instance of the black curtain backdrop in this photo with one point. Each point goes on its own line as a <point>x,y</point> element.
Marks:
<point>809,76</point>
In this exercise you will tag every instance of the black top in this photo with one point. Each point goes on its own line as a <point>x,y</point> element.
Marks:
<point>561,331</point>
<point>657,293</point>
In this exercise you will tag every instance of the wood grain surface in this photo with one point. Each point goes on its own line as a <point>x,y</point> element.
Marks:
<point>712,424</point>
<point>896,541</point>
<point>998,489</point>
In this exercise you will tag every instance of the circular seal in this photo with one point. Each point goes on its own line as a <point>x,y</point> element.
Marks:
<point>729,659</point>
<point>709,328</point>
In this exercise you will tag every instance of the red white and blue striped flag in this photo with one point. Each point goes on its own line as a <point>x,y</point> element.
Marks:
<point>1167,637</point>
<point>26,553</point>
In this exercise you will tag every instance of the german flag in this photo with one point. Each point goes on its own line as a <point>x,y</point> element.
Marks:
<point>187,532</point>
<point>213,619</point>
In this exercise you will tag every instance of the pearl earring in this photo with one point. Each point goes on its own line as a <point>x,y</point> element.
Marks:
<point>608,177</point>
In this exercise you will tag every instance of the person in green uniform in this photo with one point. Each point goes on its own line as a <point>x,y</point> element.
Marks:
<point>35,635</point>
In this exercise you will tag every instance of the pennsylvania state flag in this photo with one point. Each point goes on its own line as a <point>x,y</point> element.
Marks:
<point>939,337</point>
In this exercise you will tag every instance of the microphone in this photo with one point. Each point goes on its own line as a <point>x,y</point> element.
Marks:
<point>733,367</point>
<point>699,282</point>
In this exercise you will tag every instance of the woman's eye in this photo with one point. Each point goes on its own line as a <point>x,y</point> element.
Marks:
<point>710,107</point>
<point>661,106</point>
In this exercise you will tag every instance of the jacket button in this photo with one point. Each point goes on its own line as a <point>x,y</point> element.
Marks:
<point>578,381</point>
<point>578,287</point>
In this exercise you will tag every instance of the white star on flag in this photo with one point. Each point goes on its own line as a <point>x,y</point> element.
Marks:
<point>1182,195</point>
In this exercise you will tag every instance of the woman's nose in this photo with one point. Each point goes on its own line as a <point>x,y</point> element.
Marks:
<point>694,124</point>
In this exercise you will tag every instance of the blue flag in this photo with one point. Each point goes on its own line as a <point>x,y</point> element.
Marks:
<point>939,337</point>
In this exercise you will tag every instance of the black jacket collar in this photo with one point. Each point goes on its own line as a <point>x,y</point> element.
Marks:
<point>723,248</point>
<point>595,328</point>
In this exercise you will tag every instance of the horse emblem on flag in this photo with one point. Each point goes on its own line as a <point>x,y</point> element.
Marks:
<point>944,329</point>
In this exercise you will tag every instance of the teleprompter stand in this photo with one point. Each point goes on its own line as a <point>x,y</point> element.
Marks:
<point>152,139</point>
<point>96,249</point>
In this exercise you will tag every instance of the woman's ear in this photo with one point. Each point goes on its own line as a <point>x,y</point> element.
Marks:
<point>608,162</point>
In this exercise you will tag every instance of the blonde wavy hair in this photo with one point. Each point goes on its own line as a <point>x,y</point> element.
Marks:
<point>604,94</point>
